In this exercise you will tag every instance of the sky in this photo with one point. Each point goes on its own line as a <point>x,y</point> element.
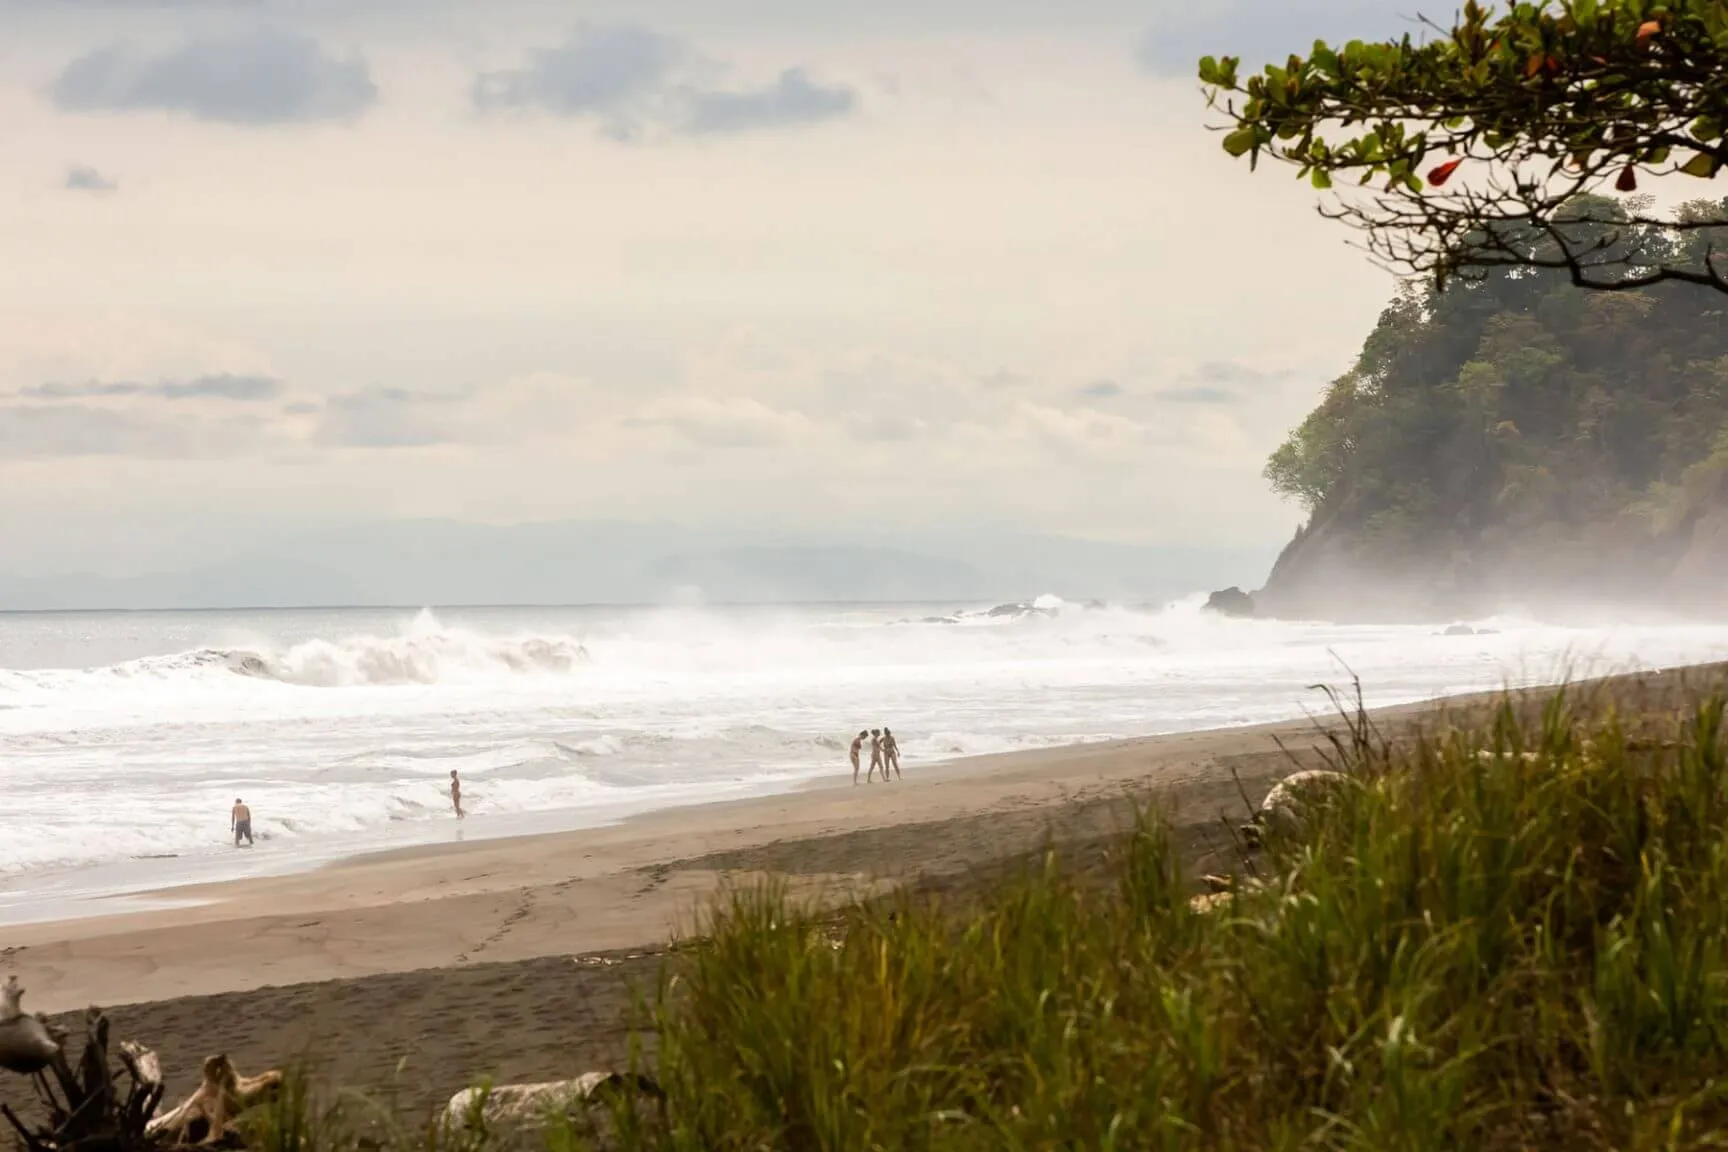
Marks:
<point>283,264</point>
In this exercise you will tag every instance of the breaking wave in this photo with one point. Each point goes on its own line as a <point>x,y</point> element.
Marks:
<point>424,652</point>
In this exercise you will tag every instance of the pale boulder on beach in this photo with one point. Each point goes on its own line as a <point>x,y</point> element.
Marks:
<point>1286,805</point>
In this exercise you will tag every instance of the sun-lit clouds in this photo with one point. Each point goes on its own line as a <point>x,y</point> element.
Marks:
<point>907,263</point>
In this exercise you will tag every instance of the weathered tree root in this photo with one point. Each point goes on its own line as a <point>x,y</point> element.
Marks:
<point>207,1116</point>
<point>88,1113</point>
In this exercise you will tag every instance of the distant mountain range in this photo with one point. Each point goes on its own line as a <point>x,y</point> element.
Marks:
<point>437,562</point>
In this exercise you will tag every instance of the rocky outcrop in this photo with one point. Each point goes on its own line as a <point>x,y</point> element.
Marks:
<point>1231,601</point>
<point>1325,574</point>
<point>1700,576</point>
<point>1335,570</point>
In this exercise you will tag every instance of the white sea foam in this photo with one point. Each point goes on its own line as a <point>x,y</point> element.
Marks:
<point>124,738</point>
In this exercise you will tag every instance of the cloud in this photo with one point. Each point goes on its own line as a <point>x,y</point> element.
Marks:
<point>380,417</point>
<point>1233,372</point>
<point>80,178</point>
<point>793,99</point>
<point>884,429</point>
<point>1261,31</point>
<point>1203,394</point>
<point>40,431</point>
<point>1100,390</point>
<point>634,81</point>
<point>220,386</point>
<point>613,72</point>
<point>249,80</point>
<point>724,422</point>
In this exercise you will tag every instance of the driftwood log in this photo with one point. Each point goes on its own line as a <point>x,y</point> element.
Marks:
<point>207,1116</point>
<point>516,1105</point>
<point>87,1109</point>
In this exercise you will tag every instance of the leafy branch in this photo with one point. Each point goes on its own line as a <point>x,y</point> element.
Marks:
<point>1493,143</point>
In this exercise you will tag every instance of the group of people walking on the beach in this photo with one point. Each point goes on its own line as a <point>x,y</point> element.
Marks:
<point>884,754</point>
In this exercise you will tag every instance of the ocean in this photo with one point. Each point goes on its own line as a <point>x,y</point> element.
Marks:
<point>126,736</point>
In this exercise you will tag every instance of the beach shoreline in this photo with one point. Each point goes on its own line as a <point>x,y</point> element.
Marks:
<point>383,898</point>
<point>460,955</point>
<point>122,887</point>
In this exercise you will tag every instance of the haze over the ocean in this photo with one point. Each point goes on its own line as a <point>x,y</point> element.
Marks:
<point>279,268</point>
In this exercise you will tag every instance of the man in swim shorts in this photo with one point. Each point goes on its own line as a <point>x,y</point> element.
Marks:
<point>857,748</point>
<point>456,795</point>
<point>241,821</point>
<point>876,757</point>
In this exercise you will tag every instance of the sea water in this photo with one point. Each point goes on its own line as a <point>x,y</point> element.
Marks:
<point>125,737</point>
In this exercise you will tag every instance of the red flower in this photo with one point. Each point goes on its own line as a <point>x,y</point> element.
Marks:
<point>1443,173</point>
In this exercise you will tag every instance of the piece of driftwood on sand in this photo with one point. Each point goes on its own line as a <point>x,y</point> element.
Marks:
<point>207,1116</point>
<point>87,1111</point>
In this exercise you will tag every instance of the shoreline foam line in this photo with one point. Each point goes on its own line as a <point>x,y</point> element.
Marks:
<point>637,883</point>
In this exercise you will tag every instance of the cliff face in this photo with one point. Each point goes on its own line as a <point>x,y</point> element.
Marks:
<point>1326,573</point>
<point>1699,579</point>
<point>1513,444</point>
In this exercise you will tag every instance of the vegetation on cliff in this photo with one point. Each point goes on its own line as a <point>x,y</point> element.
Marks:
<point>1512,418</point>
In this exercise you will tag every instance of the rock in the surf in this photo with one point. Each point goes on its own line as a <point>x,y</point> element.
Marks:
<point>1230,601</point>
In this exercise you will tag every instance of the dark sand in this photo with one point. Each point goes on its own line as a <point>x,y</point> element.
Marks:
<point>515,960</point>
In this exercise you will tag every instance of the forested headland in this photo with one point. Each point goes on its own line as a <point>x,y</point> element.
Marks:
<point>1510,440</point>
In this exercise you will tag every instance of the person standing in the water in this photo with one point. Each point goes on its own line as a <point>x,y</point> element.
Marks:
<point>857,750</point>
<point>240,822</point>
<point>456,795</point>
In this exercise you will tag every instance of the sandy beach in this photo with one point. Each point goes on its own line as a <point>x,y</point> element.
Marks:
<point>514,958</point>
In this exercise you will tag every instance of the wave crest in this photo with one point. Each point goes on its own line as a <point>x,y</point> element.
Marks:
<point>426,653</point>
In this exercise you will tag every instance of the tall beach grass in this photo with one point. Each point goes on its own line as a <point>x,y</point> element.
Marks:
<point>1509,936</point>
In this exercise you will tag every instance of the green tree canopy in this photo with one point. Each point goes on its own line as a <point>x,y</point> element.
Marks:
<point>1485,144</point>
<point>1514,419</point>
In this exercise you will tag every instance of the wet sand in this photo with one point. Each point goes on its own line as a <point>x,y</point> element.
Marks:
<point>514,959</point>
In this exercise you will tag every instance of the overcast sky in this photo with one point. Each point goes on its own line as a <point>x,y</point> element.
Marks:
<point>276,263</point>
